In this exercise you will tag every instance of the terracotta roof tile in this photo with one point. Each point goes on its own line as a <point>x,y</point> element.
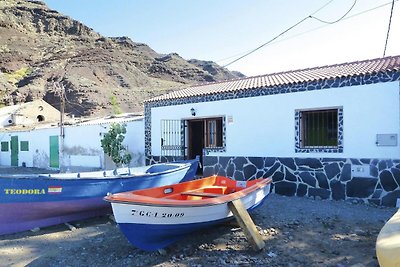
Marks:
<point>289,77</point>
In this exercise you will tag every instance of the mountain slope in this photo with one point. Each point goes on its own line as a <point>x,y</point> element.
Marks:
<point>39,46</point>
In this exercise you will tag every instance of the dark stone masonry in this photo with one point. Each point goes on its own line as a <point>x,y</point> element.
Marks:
<point>315,177</point>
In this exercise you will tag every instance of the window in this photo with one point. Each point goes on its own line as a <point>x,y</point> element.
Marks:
<point>4,146</point>
<point>40,118</point>
<point>319,130</point>
<point>213,132</point>
<point>24,146</point>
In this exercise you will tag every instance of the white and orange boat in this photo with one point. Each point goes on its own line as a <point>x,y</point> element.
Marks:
<point>154,218</point>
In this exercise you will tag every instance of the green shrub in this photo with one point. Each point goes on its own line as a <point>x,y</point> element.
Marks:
<point>18,75</point>
<point>112,144</point>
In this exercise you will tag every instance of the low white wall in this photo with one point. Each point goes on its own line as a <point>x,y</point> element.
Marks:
<point>81,145</point>
<point>86,161</point>
<point>134,141</point>
<point>86,140</point>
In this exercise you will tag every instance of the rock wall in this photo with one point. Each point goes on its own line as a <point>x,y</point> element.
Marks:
<point>326,178</point>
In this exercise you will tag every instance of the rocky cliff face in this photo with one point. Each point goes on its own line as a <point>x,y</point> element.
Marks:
<point>39,46</point>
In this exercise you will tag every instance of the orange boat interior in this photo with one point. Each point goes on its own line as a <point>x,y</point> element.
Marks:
<point>204,190</point>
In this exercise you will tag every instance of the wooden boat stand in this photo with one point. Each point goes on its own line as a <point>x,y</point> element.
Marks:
<point>247,224</point>
<point>242,217</point>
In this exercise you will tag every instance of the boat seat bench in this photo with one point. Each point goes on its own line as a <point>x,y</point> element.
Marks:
<point>214,191</point>
<point>200,194</point>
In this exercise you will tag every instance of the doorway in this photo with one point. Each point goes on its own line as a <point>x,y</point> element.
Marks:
<point>14,150</point>
<point>196,139</point>
<point>204,133</point>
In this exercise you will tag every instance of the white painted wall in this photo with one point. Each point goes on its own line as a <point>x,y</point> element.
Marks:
<point>264,126</point>
<point>38,154</point>
<point>80,142</point>
<point>134,141</point>
<point>5,120</point>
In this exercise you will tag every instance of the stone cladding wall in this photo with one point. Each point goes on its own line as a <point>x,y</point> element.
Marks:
<point>326,178</point>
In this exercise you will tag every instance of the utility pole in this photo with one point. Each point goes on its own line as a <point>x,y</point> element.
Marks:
<point>61,92</point>
<point>59,88</point>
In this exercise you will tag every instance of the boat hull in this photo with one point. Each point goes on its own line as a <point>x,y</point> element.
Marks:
<point>26,216</point>
<point>32,202</point>
<point>154,227</point>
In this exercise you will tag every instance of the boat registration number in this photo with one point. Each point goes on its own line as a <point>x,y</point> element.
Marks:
<point>156,214</point>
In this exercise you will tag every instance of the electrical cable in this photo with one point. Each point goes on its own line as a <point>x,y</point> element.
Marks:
<point>238,54</point>
<point>288,29</point>
<point>270,41</point>
<point>72,105</point>
<point>325,25</point>
<point>311,30</point>
<point>77,110</point>
<point>388,30</point>
<point>333,22</point>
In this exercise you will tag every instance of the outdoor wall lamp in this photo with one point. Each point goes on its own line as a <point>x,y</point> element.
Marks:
<point>193,112</point>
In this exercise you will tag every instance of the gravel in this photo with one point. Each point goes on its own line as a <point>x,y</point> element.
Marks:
<point>297,232</point>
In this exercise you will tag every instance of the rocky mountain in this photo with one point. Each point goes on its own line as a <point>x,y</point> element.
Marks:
<point>39,46</point>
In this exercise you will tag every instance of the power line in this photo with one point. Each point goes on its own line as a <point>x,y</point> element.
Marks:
<point>293,26</point>
<point>335,21</point>
<point>390,22</point>
<point>77,110</point>
<point>264,44</point>
<point>73,104</point>
<point>311,30</point>
<point>241,53</point>
<point>319,9</point>
<point>325,25</point>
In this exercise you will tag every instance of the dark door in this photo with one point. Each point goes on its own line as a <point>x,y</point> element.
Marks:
<point>196,139</point>
<point>204,133</point>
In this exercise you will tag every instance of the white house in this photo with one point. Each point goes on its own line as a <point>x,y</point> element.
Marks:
<point>38,111</point>
<point>329,132</point>
<point>75,146</point>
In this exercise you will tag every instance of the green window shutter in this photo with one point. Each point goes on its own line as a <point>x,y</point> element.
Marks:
<point>24,146</point>
<point>4,146</point>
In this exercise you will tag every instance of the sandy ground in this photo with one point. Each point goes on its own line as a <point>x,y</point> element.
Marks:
<point>296,231</point>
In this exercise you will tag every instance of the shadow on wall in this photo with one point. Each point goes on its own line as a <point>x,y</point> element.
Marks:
<point>40,159</point>
<point>138,160</point>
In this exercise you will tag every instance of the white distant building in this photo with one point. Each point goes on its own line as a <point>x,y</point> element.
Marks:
<point>41,145</point>
<point>38,111</point>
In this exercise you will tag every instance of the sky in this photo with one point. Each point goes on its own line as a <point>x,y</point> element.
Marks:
<point>224,30</point>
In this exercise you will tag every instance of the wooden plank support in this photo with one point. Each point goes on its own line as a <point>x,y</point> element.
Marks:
<point>247,224</point>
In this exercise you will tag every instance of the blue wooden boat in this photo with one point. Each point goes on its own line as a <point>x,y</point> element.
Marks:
<point>154,218</point>
<point>32,201</point>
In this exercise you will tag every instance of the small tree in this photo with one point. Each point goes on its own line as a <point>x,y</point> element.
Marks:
<point>115,105</point>
<point>112,144</point>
